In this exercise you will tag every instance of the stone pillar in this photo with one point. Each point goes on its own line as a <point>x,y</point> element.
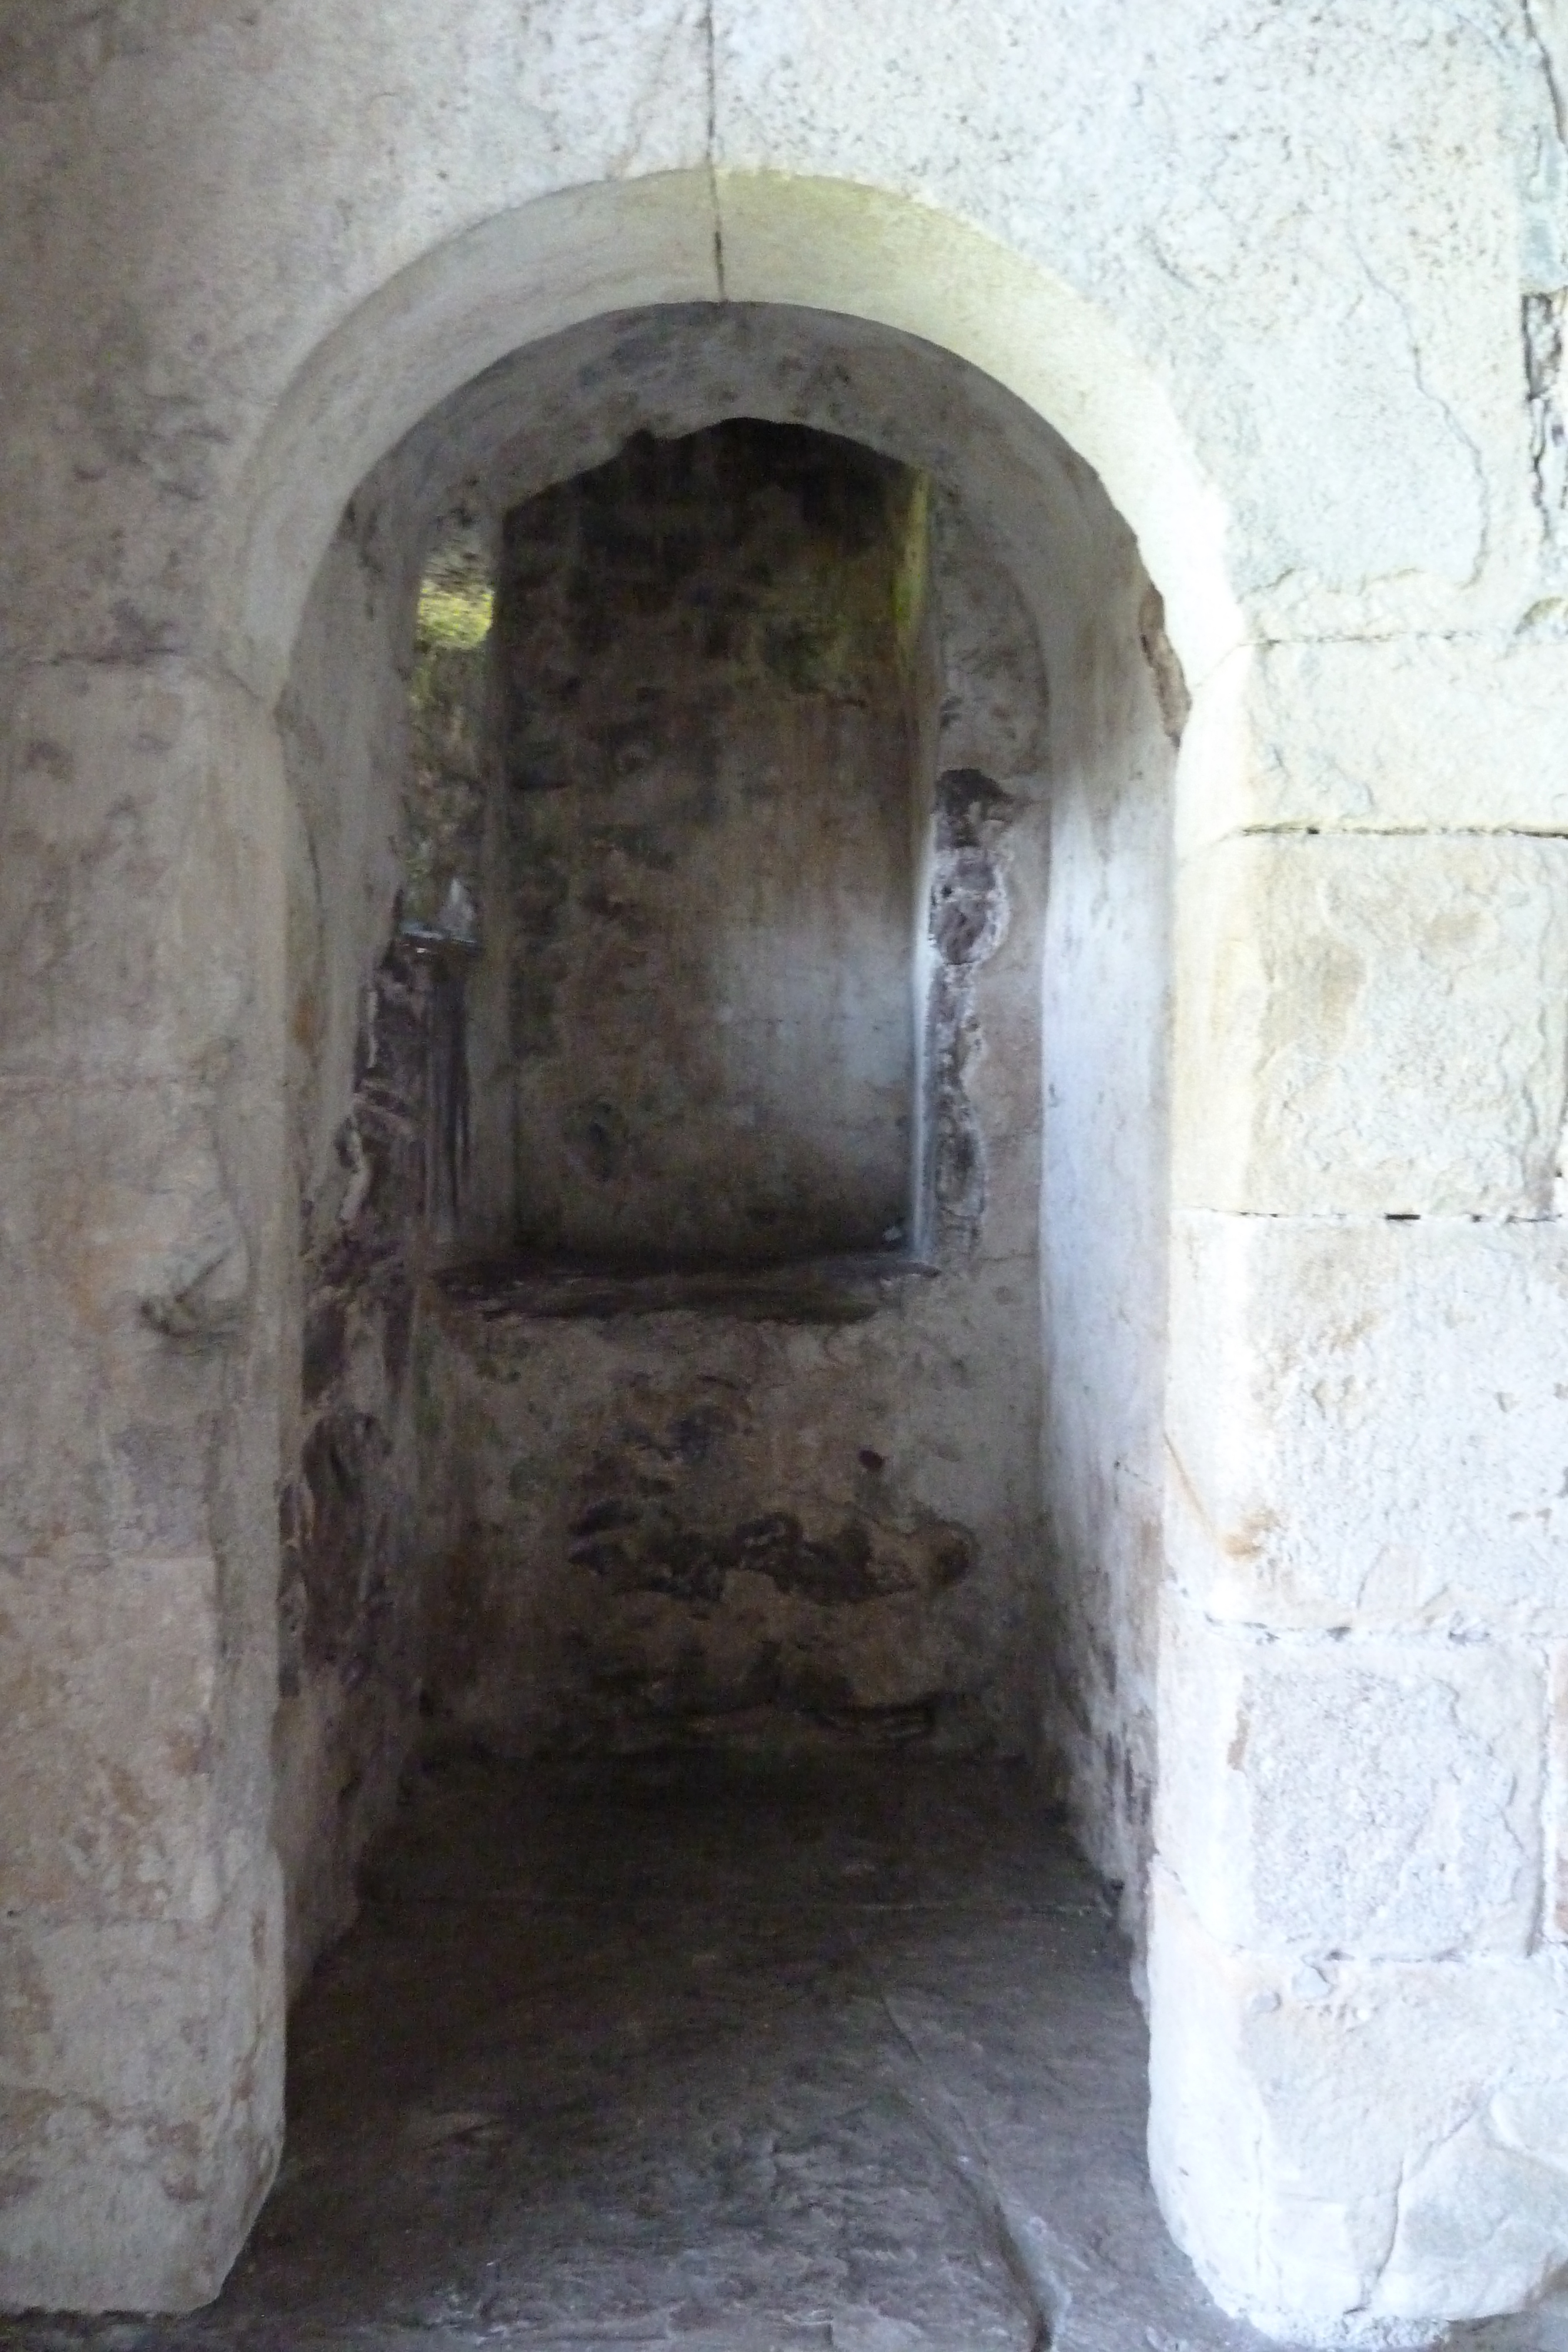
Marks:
<point>1359,1996</point>
<point>141,1272</point>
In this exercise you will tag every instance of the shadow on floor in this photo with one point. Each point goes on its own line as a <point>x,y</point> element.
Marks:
<point>715,2057</point>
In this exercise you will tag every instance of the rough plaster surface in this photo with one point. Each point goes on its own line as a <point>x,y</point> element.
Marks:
<point>1291,281</point>
<point>127,1649</point>
<point>349,1595</point>
<point>142,2074</point>
<point>1104,1196</point>
<point>1362,275</point>
<point>1304,307</point>
<point>150,2051</point>
<point>358,1047</point>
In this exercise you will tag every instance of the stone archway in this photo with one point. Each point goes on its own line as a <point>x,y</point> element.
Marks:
<point>143,2197</point>
<point>1066,771</point>
<point>1034,567</point>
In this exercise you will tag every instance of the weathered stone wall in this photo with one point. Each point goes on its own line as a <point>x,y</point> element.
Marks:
<point>705,654</point>
<point>386,747</point>
<point>798,1506</point>
<point>349,1599</point>
<point>1289,281</point>
<point>1009,574</point>
<point>701,1524</point>
<point>1048,1643</point>
<point>140,1924</point>
<point>357,1025</point>
<point>1106,975</point>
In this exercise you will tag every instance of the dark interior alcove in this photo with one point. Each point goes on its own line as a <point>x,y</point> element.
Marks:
<point>669,1101</point>
<point>707,662</point>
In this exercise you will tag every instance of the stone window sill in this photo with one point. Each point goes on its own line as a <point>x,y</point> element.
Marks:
<point>848,1288</point>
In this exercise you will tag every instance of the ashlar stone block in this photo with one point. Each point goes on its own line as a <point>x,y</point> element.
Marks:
<point>1372,1799</point>
<point>1368,1423</point>
<point>1371,1026</point>
<point>1555,1916</point>
<point>1419,734</point>
<point>109,1690</point>
<point>140,807</point>
<point>141,900</point>
<point>1355,2152</point>
<point>126,1271</point>
<point>141,2101</point>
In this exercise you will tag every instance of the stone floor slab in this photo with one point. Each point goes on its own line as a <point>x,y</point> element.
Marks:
<point>719,2058</point>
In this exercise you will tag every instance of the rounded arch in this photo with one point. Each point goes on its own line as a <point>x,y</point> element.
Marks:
<point>521,281</point>
<point>1009,498</point>
<point>694,237</point>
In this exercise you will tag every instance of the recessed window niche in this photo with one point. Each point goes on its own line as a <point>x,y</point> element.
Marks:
<point>693,1281</point>
<point>707,672</point>
<point>724,1433</point>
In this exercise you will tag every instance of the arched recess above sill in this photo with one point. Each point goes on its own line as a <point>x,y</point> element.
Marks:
<point>833,246</point>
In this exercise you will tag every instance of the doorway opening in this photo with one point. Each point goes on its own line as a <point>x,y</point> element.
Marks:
<point>730,751</point>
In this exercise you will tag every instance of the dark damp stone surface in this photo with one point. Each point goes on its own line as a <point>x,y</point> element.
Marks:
<point>339,1464</point>
<point>966,918</point>
<point>703,706</point>
<point>963,906</point>
<point>969,808</point>
<point>344,1504</point>
<point>846,1289</point>
<point>639,1546</point>
<point>325,1351</point>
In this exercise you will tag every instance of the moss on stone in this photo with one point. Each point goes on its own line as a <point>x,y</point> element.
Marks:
<point>454,614</point>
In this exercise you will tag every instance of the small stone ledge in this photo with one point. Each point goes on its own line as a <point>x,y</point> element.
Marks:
<point>848,1288</point>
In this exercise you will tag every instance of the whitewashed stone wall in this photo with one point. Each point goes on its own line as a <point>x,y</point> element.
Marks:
<point>1291,282</point>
